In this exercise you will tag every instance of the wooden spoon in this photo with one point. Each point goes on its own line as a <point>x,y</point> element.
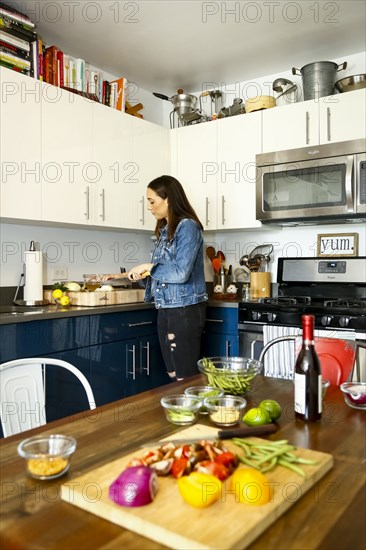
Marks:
<point>210,251</point>
<point>220,255</point>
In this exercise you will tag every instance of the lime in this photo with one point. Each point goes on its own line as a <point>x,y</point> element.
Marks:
<point>57,294</point>
<point>272,407</point>
<point>256,417</point>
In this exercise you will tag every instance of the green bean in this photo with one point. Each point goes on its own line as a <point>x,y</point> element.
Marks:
<point>265,457</point>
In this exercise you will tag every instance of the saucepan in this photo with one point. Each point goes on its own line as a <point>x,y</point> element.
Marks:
<point>183,103</point>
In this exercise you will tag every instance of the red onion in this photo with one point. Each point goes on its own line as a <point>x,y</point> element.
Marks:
<point>135,486</point>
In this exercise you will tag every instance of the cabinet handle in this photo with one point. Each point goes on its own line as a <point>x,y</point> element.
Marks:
<point>214,320</point>
<point>142,219</point>
<point>147,347</point>
<point>87,213</point>
<point>227,348</point>
<point>349,194</point>
<point>307,124</point>
<point>207,220</point>
<point>223,210</point>
<point>133,351</point>
<point>102,215</point>
<point>139,324</point>
<point>328,124</point>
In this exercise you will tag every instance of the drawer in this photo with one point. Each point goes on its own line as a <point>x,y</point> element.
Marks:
<point>222,320</point>
<point>112,327</point>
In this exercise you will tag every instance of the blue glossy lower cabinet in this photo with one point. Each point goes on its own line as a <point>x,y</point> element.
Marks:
<point>220,335</point>
<point>119,354</point>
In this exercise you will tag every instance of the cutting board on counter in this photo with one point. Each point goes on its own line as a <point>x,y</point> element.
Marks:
<point>170,521</point>
<point>94,299</point>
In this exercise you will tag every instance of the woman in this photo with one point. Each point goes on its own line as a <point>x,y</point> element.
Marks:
<point>177,282</point>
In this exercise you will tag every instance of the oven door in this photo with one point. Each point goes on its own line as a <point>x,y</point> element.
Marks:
<point>318,188</point>
<point>250,339</point>
<point>361,183</point>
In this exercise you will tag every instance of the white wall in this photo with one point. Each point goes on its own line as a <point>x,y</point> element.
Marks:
<point>80,250</point>
<point>287,242</point>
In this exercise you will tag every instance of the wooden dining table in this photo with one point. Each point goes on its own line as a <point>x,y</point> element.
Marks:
<point>330,516</point>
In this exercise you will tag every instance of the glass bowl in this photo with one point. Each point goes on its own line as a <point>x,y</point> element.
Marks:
<point>225,410</point>
<point>49,456</point>
<point>354,394</point>
<point>202,392</point>
<point>233,375</point>
<point>181,409</point>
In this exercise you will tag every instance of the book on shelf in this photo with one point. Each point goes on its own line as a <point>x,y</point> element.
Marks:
<point>15,60</point>
<point>9,48</point>
<point>13,67</point>
<point>80,74</point>
<point>66,78</point>
<point>119,87</point>
<point>72,72</point>
<point>51,66</point>
<point>14,41</point>
<point>106,89</point>
<point>95,82</point>
<point>60,68</point>
<point>17,29</point>
<point>14,14</point>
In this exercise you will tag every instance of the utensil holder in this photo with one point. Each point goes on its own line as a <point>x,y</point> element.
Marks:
<point>260,284</point>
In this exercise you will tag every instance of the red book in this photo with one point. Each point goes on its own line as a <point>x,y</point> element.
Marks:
<point>60,67</point>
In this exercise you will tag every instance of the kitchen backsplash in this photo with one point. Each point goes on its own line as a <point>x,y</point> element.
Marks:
<point>91,251</point>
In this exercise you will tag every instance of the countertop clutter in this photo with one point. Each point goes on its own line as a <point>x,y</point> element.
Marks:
<point>334,504</point>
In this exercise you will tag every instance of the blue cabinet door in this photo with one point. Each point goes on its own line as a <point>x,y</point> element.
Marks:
<point>65,394</point>
<point>152,371</point>
<point>219,345</point>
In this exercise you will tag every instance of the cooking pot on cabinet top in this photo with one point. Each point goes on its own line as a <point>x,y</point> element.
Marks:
<point>318,78</point>
<point>183,103</point>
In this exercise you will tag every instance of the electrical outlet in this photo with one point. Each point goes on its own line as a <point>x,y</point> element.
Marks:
<point>59,274</point>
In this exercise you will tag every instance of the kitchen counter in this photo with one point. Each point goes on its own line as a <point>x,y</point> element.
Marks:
<point>18,314</point>
<point>330,516</point>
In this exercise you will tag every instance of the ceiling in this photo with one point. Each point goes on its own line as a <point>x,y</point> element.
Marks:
<point>163,45</point>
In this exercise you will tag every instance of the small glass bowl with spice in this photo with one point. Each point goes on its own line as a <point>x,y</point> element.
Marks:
<point>47,456</point>
<point>202,392</point>
<point>225,410</point>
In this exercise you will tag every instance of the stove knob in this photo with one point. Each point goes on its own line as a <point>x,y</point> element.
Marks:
<point>326,320</point>
<point>256,315</point>
<point>344,321</point>
<point>272,317</point>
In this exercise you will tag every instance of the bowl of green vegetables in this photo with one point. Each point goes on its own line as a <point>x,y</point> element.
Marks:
<point>232,375</point>
<point>202,392</point>
<point>181,409</point>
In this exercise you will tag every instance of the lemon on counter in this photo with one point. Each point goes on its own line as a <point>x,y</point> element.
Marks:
<point>64,301</point>
<point>57,293</point>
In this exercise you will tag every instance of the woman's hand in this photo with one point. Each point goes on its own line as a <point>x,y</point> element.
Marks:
<point>113,276</point>
<point>140,272</point>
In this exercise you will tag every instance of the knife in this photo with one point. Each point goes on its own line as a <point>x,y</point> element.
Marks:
<point>221,434</point>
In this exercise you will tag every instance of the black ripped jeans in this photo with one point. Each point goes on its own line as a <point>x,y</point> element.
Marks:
<point>180,331</point>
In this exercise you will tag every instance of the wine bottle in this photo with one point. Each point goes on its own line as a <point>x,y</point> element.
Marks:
<point>308,378</point>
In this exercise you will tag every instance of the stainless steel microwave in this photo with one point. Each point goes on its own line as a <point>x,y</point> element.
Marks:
<point>319,184</point>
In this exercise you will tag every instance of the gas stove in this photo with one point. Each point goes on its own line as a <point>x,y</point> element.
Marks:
<point>333,290</point>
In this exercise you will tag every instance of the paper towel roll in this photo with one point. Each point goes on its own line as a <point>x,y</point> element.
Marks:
<point>33,288</point>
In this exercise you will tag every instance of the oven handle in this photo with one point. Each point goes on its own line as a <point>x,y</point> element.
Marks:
<point>349,183</point>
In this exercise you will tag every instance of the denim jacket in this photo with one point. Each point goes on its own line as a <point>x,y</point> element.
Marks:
<point>177,276</point>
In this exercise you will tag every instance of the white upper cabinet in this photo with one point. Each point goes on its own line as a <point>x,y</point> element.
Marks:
<point>343,117</point>
<point>151,160</point>
<point>290,126</point>
<point>20,146</point>
<point>67,165</point>
<point>340,117</point>
<point>239,140</point>
<point>112,192</point>
<point>194,164</point>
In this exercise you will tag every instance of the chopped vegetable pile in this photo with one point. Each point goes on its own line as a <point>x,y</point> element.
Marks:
<point>206,457</point>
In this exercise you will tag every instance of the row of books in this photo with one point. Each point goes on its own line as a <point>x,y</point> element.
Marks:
<point>21,49</point>
<point>17,34</point>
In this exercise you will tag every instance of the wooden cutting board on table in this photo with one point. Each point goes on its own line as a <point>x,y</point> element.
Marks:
<point>170,521</point>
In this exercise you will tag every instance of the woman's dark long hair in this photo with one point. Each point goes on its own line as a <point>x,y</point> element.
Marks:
<point>167,187</point>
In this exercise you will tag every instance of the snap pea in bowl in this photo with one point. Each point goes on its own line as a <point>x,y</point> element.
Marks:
<point>232,375</point>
